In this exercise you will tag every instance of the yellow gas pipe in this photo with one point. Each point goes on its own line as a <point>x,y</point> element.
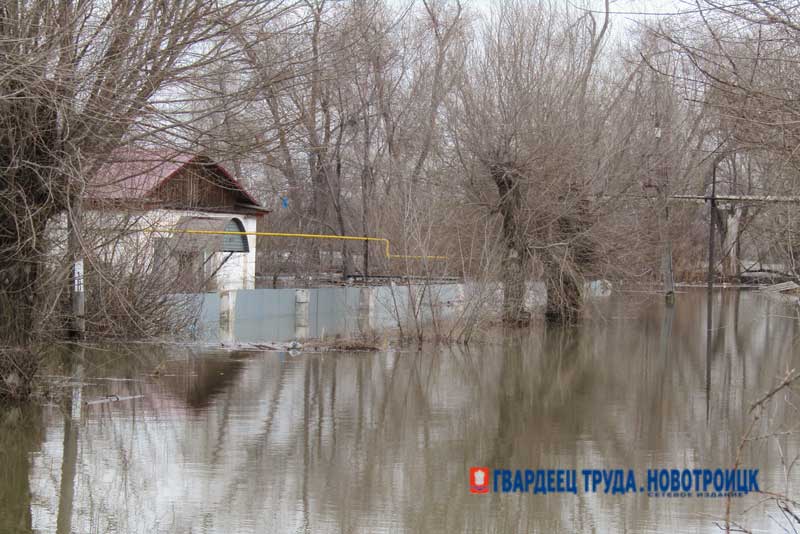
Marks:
<point>389,255</point>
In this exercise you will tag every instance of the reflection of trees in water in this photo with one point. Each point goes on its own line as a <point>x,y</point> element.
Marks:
<point>21,434</point>
<point>629,396</point>
<point>538,376</point>
<point>343,442</point>
<point>198,380</point>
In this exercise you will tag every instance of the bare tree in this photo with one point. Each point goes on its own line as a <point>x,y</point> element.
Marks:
<point>80,79</point>
<point>527,87</point>
<point>740,56</point>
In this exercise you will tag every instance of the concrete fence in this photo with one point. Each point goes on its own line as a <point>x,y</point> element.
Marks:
<point>263,315</point>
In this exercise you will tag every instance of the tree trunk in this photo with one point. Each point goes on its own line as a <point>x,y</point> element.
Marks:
<point>31,193</point>
<point>563,295</point>
<point>564,267</point>
<point>666,257</point>
<point>515,268</point>
<point>21,257</point>
<point>318,214</point>
<point>730,246</point>
<point>19,280</point>
<point>516,258</point>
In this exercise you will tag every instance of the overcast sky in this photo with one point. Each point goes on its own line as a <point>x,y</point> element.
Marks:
<point>625,12</point>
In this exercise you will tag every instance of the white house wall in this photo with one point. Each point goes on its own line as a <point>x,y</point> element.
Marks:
<point>136,247</point>
<point>239,271</point>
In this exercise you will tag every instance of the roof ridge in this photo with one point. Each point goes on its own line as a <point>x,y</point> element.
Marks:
<point>143,170</point>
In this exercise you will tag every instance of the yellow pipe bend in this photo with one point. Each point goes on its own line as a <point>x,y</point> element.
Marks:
<point>305,236</point>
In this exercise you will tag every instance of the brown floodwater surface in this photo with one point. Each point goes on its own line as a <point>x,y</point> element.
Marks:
<point>382,442</point>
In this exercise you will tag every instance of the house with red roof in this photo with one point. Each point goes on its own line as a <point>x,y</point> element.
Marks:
<point>174,208</point>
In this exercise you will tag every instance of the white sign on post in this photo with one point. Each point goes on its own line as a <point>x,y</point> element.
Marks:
<point>77,276</point>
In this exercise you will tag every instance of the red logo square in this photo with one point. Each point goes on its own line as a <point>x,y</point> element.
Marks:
<point>479,479</point>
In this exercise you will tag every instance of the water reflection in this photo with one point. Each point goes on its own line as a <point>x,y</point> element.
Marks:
<point>20,437</point>
<point>267,442</point>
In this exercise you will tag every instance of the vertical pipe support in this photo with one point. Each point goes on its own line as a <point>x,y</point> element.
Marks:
<point>301,300</point>
<point>227,316</point>
<point>365,305</point>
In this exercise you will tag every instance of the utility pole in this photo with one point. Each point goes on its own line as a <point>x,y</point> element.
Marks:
<point>74,220</point>
<point>711,236</point>
<point>366,259</point>
<point>663,197</point>
<point>709,292</point>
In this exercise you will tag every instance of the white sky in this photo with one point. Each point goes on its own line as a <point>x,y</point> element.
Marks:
<point>628,12</point>
<point>625,12</point>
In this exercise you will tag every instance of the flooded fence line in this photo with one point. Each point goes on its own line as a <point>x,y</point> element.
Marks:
<point>285,314</point>
<point>196,444</point>
<point>265,315</point>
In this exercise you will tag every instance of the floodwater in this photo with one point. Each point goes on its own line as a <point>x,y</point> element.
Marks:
<point>264,442</point>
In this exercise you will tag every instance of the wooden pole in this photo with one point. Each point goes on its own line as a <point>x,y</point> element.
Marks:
<point>366,260</point>
<point>666,267</point>
<point>709,291</point>
<point>711,232</point>
<point>663,197</point>
<point>77,278</point>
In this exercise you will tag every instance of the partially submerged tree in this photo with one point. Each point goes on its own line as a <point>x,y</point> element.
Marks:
<point>527,121</point>
<point>78,80</point>
<point>380,119</point>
